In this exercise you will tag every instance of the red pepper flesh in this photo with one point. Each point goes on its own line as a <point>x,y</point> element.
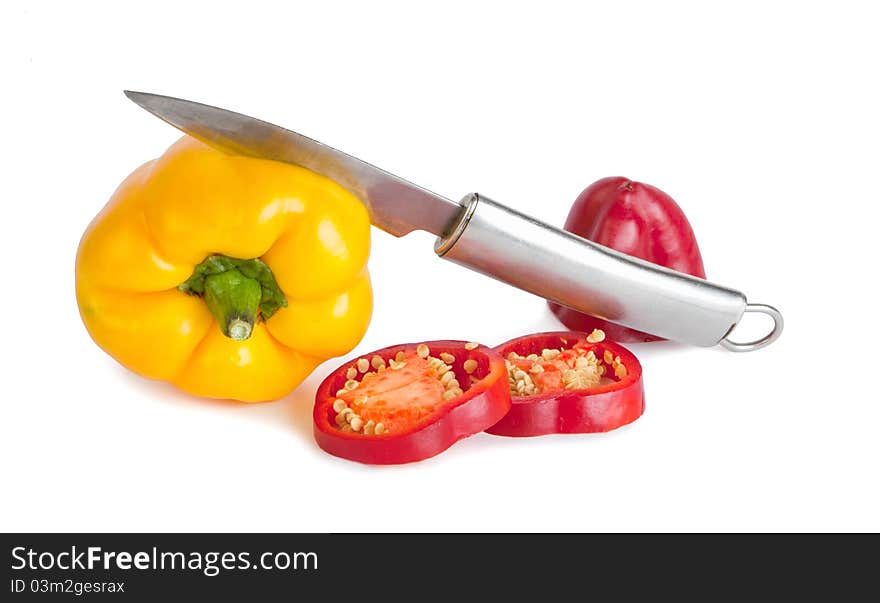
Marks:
<point>423,424</point>
<point>600,408</point>
<point>636,219</point>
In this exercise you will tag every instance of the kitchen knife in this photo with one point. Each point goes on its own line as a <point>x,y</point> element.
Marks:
<point>493,239</point>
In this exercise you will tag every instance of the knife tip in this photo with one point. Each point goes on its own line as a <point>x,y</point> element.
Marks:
<point>134,95</point>
<point>138,98</point>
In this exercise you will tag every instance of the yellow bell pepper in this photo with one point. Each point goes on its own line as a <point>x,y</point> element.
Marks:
<point>228,276</point>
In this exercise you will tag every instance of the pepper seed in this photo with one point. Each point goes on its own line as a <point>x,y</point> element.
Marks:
<point>596,336</point>
<point>549,354</point>
<point>452,393</point>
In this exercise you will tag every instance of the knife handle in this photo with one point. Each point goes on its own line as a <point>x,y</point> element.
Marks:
<point>591,278</point>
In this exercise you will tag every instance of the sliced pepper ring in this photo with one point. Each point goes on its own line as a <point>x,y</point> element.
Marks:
<point>614,398</point>
<point>409,402</point>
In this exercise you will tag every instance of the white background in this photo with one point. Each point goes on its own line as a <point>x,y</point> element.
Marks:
<point>760,119</point>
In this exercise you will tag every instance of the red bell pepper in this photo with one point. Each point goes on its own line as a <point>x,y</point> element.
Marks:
<point>639,220</point>
<point>409,402</point>
<point>563,383</point>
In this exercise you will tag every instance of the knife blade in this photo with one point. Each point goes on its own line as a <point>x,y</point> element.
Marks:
<point>493,239</point>
<point>395,205</point>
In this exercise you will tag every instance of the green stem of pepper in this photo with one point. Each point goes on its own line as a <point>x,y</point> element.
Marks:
<point>237,292</point>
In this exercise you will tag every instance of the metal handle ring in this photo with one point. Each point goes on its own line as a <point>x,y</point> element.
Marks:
<point>769,338</point>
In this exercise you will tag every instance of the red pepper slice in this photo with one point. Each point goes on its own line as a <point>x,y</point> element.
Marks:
<point>600,395</point>
<point>408,402</point>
